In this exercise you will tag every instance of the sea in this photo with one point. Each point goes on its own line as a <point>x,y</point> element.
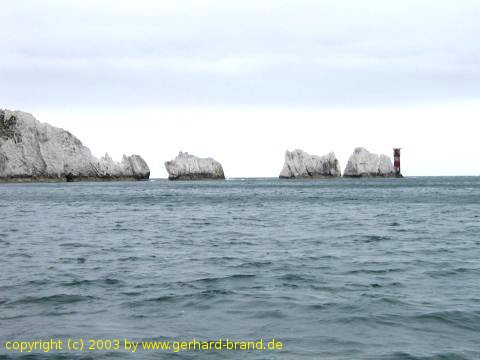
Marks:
<point>328,269</point>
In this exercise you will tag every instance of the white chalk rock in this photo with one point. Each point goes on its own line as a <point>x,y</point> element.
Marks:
<point>299,164</point>
<point>189,167</point>
<point>363,163</point>
<point>31,151</point>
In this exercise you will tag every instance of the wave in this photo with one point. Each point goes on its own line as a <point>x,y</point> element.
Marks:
<point>409,356</point>
<point>95,282</point>
<point>51,299</point>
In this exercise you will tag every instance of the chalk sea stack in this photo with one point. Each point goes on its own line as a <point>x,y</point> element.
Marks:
<point>190,167</point>
<point>35,151</point>
<point>299,164</point>
<point>363,163</point>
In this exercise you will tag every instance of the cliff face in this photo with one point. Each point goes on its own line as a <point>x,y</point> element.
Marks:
<point>30,151</point>
<point>299,164</point>
<point>363,163</point>
<point>189,167</point>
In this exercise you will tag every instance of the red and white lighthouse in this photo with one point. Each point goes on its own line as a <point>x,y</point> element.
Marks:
<point>396,161</point>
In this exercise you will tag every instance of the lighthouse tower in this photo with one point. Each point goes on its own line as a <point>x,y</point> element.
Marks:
<point>396,162</point>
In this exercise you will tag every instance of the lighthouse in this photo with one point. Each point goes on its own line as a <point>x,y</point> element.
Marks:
<point>396,161</point>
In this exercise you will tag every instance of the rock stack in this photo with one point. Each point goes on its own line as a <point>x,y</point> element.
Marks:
<point>35,151</point>
<point>190,167</point>
<point>299,164</point>
<point>363,163</point>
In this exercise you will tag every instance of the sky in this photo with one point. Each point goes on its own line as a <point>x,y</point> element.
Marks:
<point>243,81</point>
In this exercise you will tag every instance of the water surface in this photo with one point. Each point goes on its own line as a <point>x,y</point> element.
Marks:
<point>335,269</point>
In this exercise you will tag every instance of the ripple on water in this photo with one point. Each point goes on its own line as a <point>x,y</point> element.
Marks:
<point>408,356</point>
<point>469,320</point>
<point>373,238</point>
<point>107,282</point>
<point>51,299</point>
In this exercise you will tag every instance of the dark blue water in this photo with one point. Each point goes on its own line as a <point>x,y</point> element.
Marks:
<point>336,269</point>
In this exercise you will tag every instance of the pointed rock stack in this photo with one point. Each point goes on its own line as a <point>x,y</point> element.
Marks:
<point>363,163</point>
<point>299,164</point>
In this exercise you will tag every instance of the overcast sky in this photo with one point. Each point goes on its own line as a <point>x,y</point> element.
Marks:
<point>242,81</point>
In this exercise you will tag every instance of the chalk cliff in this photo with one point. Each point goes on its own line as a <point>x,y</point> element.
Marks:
<point>299,164</point>
<point>35,151</point>
<point>363,163</point>
<point>189,167</point>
